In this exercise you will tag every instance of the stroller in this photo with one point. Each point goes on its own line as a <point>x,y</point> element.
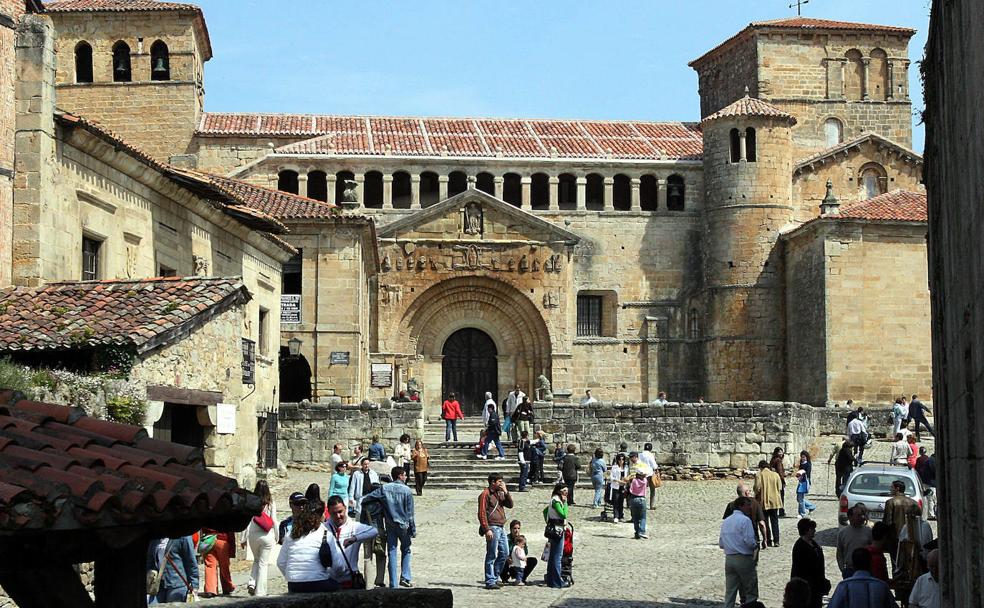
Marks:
<point>567,559</point>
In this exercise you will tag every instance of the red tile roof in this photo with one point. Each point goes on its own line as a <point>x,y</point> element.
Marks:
<point>123,6</point>
<point>63,470</point>
<point>469,137</point>
<point>143,314</point>
<point>750,106</point>
<point>277,204</point>
<point>895,206</point>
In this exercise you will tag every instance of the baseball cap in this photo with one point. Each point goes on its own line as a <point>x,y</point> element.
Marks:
<point>297,498</point>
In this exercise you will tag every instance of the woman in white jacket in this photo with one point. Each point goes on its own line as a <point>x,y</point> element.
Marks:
<point>261,536</point>
<point>299,560</point>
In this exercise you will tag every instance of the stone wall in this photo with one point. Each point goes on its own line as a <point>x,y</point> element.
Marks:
<point>10,14</point>
<point>955,154</point>
<point>307,431</point>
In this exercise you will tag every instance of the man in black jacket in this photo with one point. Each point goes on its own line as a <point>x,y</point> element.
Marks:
<point>916,414</point>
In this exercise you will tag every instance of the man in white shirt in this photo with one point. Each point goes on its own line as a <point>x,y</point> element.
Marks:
<point>926,592</point>
<point>855,430</point>
<point>360,484</point>
<point>513,399</point>
<point>588,399</point>
<point>345,537</point>
<point>649,459</point>
<point>737,539</point>
<point>336,455</point>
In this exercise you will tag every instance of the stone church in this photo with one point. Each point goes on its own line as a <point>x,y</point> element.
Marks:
<point>774,250</point>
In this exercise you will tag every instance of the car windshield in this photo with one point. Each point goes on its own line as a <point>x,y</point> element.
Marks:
<point>879,484</point>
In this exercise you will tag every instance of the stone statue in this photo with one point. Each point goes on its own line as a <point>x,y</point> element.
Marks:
<point>473,218</point>
<point>543,392</point>
<point>350,198</point>
<point>413,389</point>
<point>387,264</point>
<point>201,265</point>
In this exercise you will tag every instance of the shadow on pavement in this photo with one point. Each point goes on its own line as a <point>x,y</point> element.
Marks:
<point>575,602</point>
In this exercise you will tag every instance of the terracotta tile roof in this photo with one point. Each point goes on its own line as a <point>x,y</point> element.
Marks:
<point>281,205</point>
<point>123,6</point>
<point>143,314</point>
<point>466,137</point>
<point>894,206</point>
<point>63,470</point>
<point>750,106</point>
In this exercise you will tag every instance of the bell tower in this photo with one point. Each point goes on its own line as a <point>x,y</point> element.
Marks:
<point>135,68</point>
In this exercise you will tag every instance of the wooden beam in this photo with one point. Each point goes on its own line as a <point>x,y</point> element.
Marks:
<point>121,579</point>
<point>183,396</point>
<point>55,585</point>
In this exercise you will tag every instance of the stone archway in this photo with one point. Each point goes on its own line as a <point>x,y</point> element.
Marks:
<point>506,315</point>
<point>470,368</point>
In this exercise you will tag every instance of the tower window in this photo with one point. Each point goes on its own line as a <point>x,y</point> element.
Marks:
<point>540,191</point>
<point>90,258</point>
<point>567,191</point>
<point>873,180</point>
<point>160,62</point>
<point>676,191</point>
<point>750,145</point>
<point>694,325</point>
<point>121,62</point>
<point>287,181</point>
<point>589,315</point>
<point>833,131</point>
<point>318,185</point>
<point>735,145</point>
<point>83,62</point>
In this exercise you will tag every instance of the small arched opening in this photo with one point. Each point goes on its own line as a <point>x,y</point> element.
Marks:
<point>540,191</point>
<point>622,193</point>
<point>750,153</point>
<point>340,178</point>
<point>648,192</point>
<point>373,196</point>
<point>430,188</point>
<point>295,377</point>
<point>160,61</point>
<point>485,182</point>
<point>83,62</point>
<point>121,62</point>
<point>287,181</point>
<point>878,73</point>
<point>512,189</point>
<point>317,185</point>
<point>735,145</point>
<point>469,368</point>
<point>676,193</point>
<point>833,132</point>
<point>872,180</point>
<point>402,190</point>
<point>567,194</point>
<point>594,196</point>
<point>457,182</point>
<point>853,75</point>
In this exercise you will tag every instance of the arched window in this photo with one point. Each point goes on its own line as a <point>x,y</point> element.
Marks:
<point>735,145</point>
<point>675,193</point>
<point>853,75</point>
<point>287,181</point>
<point>750,144</point>
<point>83,62</point>
<point>401,190</point>
<point>430,188</point>
<point>694,324</point>
<point>121,62</point>
<point>372,198</point>
<point>878,75</point>
<point>318,185</point>
<point>872,181</point>
<point>594,194</point>
<point>540,191</point>
<point>512,189</point>
<point>622,193</point>
<point>567,191</point>
<point>833,131</point>
<point>648,192</point>
<point>485,182</point>
<point>457,182</point>
<point>160,62</point>
<point>340,178</point>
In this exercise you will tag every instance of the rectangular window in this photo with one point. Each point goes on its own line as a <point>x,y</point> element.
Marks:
<point>90,258</point>
<point>292,276</point>
<point>589,315</point>
<point>264,331</point>
<point>166,271</point>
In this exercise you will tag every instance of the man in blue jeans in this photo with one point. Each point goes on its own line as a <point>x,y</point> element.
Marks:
<point>397,500</point>
<point>492,505</point>
<point>639,472</point>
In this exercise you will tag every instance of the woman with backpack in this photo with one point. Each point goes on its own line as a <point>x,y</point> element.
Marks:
<point>261,536</point>
<point>217,548</point>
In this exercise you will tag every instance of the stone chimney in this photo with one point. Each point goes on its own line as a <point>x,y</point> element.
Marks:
<point>829,204</point>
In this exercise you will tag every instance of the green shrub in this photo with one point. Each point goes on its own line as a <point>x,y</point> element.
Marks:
<point>14,377</point>
<point>126,409</point>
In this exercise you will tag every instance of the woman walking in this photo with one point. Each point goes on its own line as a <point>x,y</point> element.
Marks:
<point>616,493</point>
<point>555,516</point>
<point>492,433</point>
<point>805,480</point>
<point>339,484</point>
<point>261,536</point>
<point>598,477</point>
<point>402,453</point>
<point>913,451</point>
<point>777,465</point>
<point>421,463</point>
<point>808,562</point>
<point>299,558</point>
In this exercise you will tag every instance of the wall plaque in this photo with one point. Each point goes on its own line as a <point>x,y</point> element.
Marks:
<point>339,357</point>
<point>381,375</point>
<point>290,308</point>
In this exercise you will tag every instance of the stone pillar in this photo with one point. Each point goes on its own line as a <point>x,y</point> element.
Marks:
<point>442,187</point>
<point>525,184</point>
<point>554,188</point>
<point>865,78</point>
<point>582,193</point>
<point>274,181</point>
<point>302,180</point>
<point>890,88</point>
<point>636,198</point>
<point>415,191</point>
<point>360,188</point>
<point>471,181</point>
<point>742,146</point>
<point>661,193</point>
<point>608,202</point>
<point>497,182</point>
<point>331,179</point>
<point>387,191</point>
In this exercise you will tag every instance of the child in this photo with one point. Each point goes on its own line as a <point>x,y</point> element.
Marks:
<point>481,442</point>
<point>518,560</point>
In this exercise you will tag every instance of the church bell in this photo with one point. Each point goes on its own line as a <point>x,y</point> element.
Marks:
<point>159,67</point>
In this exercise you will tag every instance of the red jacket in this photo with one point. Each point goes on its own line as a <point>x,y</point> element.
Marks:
<point>451,410</point>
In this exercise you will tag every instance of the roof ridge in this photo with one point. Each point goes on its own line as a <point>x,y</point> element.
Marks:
<point>465,118</point>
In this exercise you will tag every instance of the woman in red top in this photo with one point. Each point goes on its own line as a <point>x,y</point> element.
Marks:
<point>451,412</point>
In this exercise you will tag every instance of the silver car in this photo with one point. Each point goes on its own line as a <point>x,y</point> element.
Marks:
<point>871,485</point>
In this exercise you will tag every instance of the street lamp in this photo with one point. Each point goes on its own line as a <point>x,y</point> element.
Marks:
<point>294,346</point>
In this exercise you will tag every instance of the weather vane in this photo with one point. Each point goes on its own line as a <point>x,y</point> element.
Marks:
<point>799,6</point>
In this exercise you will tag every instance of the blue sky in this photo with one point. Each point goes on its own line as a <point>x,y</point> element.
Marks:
<point>611,59</point>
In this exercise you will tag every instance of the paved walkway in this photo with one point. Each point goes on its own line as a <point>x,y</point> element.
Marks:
<point>680,564</point>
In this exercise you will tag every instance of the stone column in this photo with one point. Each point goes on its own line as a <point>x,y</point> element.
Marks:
<point>302,180</point>
<point>497,182</point>
<point>274,181</point>
<point>471,181</point>
<point>661,193</point>
<point>554,189</point>
<point>360,188</point>
<point>865,78</point>
<point>890,68</point>
<point>442,187</point>
<point>636,198</point>
<point>742,146</point>
<point>525,184</point>
<point>415,191</point>
<point>331,179</point>
<point>387,191</point>
<point>608,200</point>
<point>582,193</point>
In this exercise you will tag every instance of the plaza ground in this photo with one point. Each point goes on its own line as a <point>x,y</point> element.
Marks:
<point>680,564</point>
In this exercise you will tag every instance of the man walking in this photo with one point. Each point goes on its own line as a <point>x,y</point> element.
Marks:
<point>523,416</point>
<point>524,455</point>
<point>862,590</point>
<point>852,537</point>
<point>896,509</point>
<point>397,501</point>
<point>768,491</point>
<point>917,413</point>
<point>492,505</point>
<point>855,430</point>
<point>512,402</point>
<point>344,537</point>
<point>647,458</point>
<point>737,539</point>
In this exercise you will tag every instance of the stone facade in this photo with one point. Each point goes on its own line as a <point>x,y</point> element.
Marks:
<point>11,12</point>
<point>955,153</point>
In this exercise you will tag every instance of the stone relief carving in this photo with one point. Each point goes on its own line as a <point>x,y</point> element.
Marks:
<point>201,265</point>
<point>387,264</point>
<point>524,264</point>
<point>391,294</point>
<point>536,265</point>
<point>551,299</point>
<point>468,257</point>
<point>473,218</point>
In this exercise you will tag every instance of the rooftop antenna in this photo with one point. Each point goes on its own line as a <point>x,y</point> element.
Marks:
<point>799,6</point>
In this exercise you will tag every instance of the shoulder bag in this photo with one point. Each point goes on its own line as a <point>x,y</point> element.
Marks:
<point>488,512</point>
<point>190,597</point>
<point>154,576</point>
<point>324,551</point>
<point>358,579</point>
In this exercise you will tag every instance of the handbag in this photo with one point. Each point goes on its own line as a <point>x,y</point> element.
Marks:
<point>358,579</point>
<point>264,521</point>
<point>206,544</point>
<point>655,480</point>
<point>324,551</point>
<point>553,531</point>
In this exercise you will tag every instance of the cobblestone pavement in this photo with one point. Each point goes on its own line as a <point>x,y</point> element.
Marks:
<point>680,564</point>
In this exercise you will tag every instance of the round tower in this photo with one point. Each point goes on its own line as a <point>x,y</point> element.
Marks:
<point>748,177</point>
